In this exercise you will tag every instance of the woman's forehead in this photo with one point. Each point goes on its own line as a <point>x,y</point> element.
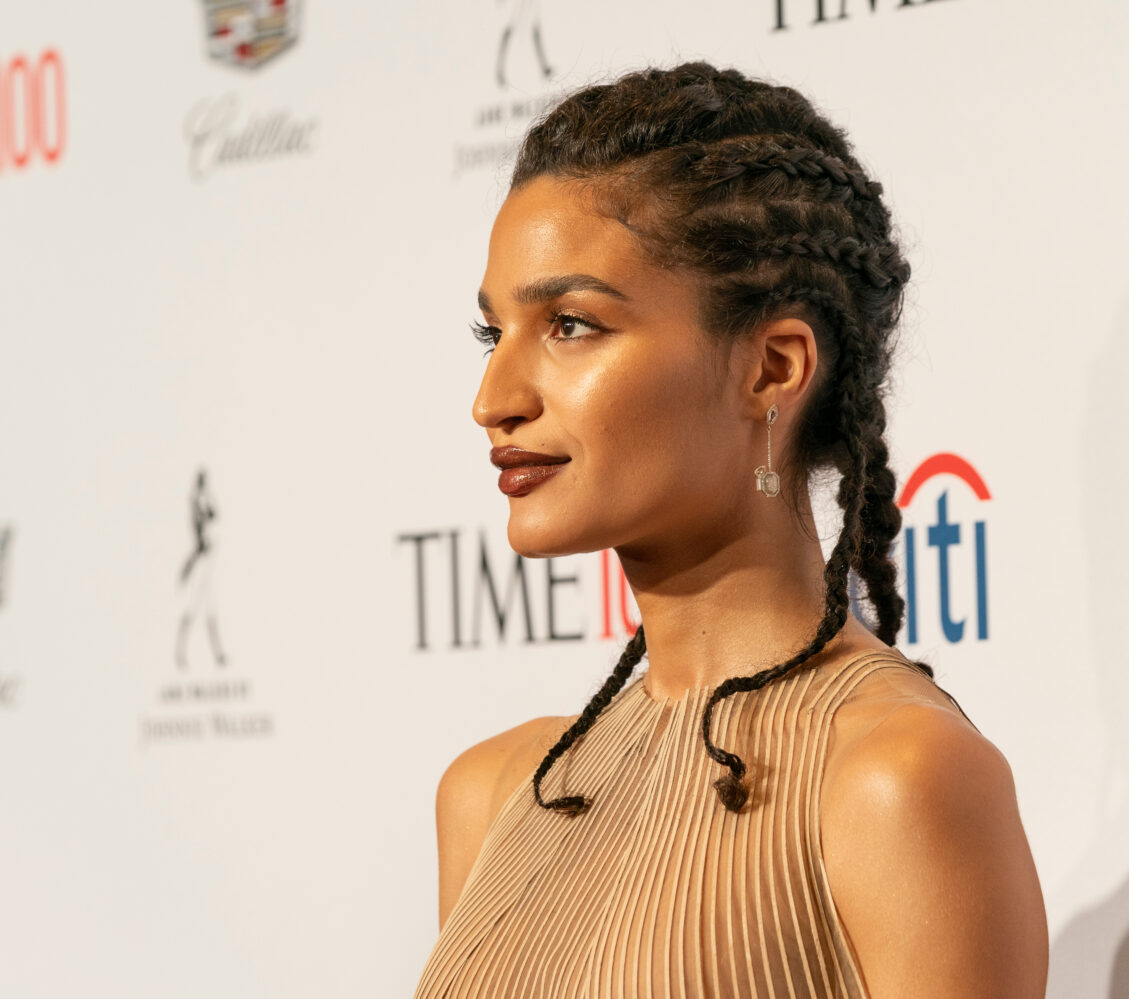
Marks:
<point>550,216</point>
<point>550,228</point>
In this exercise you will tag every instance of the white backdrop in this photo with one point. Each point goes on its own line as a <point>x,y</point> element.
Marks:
<point>266,273</point>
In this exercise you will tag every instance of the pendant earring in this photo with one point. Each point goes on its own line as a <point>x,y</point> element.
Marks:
<point>768,482</point>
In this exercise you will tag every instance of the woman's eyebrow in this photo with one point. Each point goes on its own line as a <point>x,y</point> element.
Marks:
<point>545,289</point>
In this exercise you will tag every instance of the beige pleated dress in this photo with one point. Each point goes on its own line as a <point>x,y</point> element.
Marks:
<point>657,890</point>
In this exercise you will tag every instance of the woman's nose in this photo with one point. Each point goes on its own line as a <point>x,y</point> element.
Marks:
<point>507,396</point>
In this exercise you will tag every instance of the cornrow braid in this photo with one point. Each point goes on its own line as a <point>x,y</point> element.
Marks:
<point>730,161</point>
<point>575,804</point>
<point>879,265</point>
<point>872,262</point>
<point>881,524</point>
<point>880,518</point>
<point>745,185</point>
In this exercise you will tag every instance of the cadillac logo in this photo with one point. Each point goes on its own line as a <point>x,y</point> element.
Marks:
<point>250,32</point>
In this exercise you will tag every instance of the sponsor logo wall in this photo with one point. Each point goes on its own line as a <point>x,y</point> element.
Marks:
<point>255,592</point>
<point>512,599</point>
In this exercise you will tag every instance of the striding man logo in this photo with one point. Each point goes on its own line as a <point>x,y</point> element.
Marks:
<point>523,21</point>
<point>196,574</point>
<point>249,33</point>
<point>5,547</point>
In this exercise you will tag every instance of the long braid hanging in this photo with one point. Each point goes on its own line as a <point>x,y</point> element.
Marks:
<point>575,804</point>
<point>881,524</point>
<point>733,788</point>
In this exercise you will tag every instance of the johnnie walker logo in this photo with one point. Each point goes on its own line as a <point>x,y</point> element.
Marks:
<point>5,547</point>
<point>523,25</point>
<point>248,33</point>
<point>199,607</point>
<point>8,683</point>
<point>523,89</point>
<point>207,700</point>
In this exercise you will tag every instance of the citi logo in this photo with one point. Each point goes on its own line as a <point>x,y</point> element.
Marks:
<point>950,550</point>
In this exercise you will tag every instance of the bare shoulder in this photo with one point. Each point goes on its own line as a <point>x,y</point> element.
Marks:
<point>893,753</point>
<point>473,789</point>
<point>925,851</point>
<point>479,780</point>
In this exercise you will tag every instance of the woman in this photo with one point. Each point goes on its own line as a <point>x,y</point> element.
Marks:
<point>689,300</point>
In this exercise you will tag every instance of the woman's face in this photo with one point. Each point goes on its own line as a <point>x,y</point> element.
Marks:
<point>617,421</point>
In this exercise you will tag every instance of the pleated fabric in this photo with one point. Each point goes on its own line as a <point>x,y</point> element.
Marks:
<point>657,890</point>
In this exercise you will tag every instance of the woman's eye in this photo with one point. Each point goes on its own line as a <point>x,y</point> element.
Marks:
<point>488,336</point>
<point>572,327</point>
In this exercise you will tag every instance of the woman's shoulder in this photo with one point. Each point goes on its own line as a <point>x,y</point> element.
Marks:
<point>896,731</point>
<point>884,681</point>
<point>920,829</point>
<point>473,789</point>
<point>482,777</point>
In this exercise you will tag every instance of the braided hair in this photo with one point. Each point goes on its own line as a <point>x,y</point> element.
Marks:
<point>746,186</point>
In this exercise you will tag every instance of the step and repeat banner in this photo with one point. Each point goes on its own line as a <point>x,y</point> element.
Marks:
<point>255,592</point>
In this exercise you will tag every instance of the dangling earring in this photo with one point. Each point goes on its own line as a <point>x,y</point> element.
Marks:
<point>768,482</point>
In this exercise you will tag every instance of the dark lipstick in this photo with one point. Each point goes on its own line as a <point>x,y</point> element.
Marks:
<point>522,470</point>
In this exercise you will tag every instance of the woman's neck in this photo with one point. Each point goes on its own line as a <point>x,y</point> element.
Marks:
<point>753,600</point>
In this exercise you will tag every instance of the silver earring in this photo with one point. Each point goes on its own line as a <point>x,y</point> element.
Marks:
<point>768,482</point>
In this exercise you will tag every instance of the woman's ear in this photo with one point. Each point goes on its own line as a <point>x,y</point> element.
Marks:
<point>781,366</point>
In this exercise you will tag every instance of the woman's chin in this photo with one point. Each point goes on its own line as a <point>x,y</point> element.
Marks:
<point>540,546</point>
<point>544,540</point>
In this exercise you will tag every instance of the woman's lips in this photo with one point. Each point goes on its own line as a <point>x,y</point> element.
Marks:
<point>522,470</point>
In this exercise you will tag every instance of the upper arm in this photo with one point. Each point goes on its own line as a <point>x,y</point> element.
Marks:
<point>929,865</point>
<point>472,790</point>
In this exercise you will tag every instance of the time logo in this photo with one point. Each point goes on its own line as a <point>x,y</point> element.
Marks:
<point>33,110</point>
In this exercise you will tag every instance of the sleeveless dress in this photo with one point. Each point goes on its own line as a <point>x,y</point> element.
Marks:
<point>657,890</point>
